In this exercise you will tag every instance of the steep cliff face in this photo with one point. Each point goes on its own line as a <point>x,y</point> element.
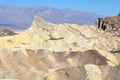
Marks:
<point>48,51</point>
<point>109,23</point>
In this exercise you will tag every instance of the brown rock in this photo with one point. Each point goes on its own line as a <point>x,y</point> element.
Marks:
<point>6,32</point>
<point>108,23</point>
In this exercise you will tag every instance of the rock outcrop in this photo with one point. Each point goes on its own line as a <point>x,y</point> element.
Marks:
<point>109,23</point>
<point>6,32</point>
<point>47,51</point>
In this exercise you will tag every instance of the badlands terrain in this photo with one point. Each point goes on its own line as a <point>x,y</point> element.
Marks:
<point>47,51</point>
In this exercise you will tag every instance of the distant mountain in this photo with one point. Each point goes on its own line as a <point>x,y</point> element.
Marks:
<point>21,17</point>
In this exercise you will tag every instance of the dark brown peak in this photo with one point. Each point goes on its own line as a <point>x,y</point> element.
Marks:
<point>119,14</point>
<point>6,32</point>
<point>100,18</point>
<point>108,23</point>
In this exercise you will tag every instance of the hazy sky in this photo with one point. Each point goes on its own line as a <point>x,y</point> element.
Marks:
<point>104,7</point>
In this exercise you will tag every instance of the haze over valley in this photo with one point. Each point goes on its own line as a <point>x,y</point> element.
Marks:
<point>20,18</point>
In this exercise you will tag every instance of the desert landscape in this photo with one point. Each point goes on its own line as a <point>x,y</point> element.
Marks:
<point>48,51</point>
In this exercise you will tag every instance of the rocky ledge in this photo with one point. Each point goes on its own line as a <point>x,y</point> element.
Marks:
<point>47,51</point>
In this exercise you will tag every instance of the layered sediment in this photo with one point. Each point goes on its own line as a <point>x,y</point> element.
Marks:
<point>46,51</point>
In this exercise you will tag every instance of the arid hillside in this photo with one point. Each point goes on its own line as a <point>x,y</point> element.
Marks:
<point>47,51</point>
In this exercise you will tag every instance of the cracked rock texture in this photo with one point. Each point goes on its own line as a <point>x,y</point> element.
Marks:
<point>46,51</point>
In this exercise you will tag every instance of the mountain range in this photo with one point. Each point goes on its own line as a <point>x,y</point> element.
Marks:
<point>20,17</point>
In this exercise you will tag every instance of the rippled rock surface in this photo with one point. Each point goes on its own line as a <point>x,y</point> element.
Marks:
<point>46,51</point>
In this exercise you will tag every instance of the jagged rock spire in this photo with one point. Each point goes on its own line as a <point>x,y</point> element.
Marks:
<point>37,21</point>
<point>41,23</point>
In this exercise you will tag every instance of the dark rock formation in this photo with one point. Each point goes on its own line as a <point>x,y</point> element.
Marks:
<point>6,32</point>
<point>108,23</point>
<point>119,14</point>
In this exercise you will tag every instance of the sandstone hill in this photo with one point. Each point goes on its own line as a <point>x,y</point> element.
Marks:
<point>47,51</point>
